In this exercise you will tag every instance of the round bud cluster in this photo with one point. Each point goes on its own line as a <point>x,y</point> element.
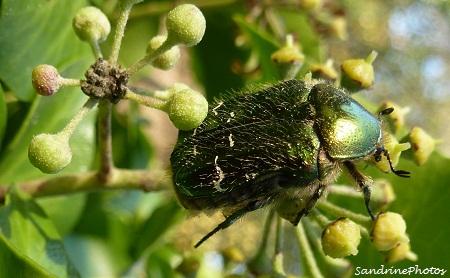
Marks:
<point>91,24</point>
<point>186,109</point>
<point>50,153</point>
<point>341,238</point>
<point>389,230</point>
<point>45,80</point>
<point>168,59</point>
<point>185,25</point>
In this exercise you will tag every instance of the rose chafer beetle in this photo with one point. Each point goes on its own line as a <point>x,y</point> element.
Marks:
<point>281,144</point>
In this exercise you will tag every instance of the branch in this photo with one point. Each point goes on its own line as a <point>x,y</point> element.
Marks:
<point>146,180</point>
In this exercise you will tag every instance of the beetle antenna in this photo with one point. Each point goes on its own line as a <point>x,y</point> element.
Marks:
<point>386,111</point>
<point>400,173</point>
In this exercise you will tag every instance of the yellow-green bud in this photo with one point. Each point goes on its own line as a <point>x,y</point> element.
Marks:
<point>45,80</point>
<point>324,71</point>
<point>290,208</point>
<point>168,59</point>
<point>288,59</point>
<point>382,194</point>
<point>186,25</point>
<point>234,254</point>
<point>130,2</point>
<point>389,230</point>
<point>358,74</point>
<point>190,264</point>
<point>396,119</point>
<point>400,252</point>
<point>186,109</point>
<point>311,5</point>
<point>175,87</point>
<point>50,153</point>
<point>422,144</point>
<point>341,238</point>
<point>395,149</point>
<point>338,27</point>
<point>91,24</point>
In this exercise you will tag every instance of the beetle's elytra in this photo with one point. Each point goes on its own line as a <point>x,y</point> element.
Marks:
<point>283,143</point>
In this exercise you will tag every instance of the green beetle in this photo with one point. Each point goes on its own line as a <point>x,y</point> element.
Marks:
<point>277,145</point>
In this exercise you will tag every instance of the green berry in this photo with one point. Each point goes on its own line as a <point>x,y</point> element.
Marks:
<point>185,25</point>
<point>341,238</point>
<point>389,230</point>
<point>91,24</point>
<point>187,109</point>
<point>168,59</point>
<point>50,153</point>
<point>45,80</point>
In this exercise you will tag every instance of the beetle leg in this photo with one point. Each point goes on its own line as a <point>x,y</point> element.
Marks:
<point>233,217</point>
<point>363,182</point>
<point>312,202</point>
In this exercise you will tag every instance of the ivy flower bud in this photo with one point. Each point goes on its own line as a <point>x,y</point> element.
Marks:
<point>45,80</point>
<point>338,27</point>
<point>389,230</point>
<point>358,74</point>
<point>341,238</point>
<point>324,71</point>
<point>186,109</point>
<point>233,254</point>
<point>382,194</point>
<point>399,253</point>
<point>396,119</point>
<point>311,5</point>
<point>168,59</point>
<point>288,59</point>
<point>185,25</point>
<point>395,149</point>
<point>422,145</point>
<point>50,153</point>
<point>290,208</point>
<point>91,24</point>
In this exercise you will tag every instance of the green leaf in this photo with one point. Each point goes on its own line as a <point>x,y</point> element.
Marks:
<point>26,227</point>
<point>63,219</point>
<point>214,71</point>
<point>162,219</point>
<point>3,113</point>
<point>264,44</point>
<point>18,265</point>
<point>93,256</point>
<point>36,32</point>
